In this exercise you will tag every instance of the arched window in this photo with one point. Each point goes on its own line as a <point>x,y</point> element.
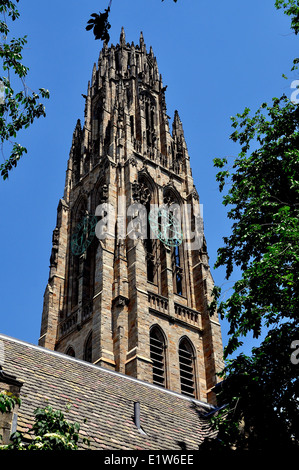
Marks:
<point>88,349</point>
<point>149,108</point>
<point>70,352</point>
<point>172,201</point>
<point>177,270</point>
<point>78,213</point>
<point>82,263</point>
<point>157,352</point>
<point>88,274</point>
<point>150,250</point>
<point>143,193</point>
<point>186,360</point>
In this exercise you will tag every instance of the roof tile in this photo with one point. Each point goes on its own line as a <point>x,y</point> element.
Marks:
<point>105,400</point>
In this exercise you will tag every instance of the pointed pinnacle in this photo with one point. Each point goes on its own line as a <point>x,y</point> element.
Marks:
<point>122,37</point>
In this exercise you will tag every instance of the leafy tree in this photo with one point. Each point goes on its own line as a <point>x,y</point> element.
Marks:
<point>262,391</point>
<point>258,399</point>
<point>291,8</point>
<point>8,401</point>
<point>100,25</point>
<point>264,207</point>
<point>18,109</point>
<point>51,431</point>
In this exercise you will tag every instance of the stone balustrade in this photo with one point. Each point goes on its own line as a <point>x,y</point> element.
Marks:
<point>158,302</point>
<point>68,324</point>
<point>186,314</point>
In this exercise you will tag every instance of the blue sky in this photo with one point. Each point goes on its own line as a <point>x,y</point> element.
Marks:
<point>216,59</point>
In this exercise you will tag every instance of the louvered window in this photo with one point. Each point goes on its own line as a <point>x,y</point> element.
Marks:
<point>157,350</point>
<point>186,359</point>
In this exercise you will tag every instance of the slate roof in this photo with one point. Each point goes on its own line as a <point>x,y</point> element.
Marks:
<point>105,399</point>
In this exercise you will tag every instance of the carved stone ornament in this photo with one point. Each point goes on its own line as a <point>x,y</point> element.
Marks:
<point>194,194</point>
<point>104,194</point>
<point>120,301</point>
<point>83,192</point>
<point>168,200</point>
<point>140,193</point>
<point>62,205</point>
<point>168,197</point>
<point>132,161</point>
<point>55,237</point>
<point>54,252</point>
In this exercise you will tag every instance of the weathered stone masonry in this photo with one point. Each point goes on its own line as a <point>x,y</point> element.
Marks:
<point>131,305</point>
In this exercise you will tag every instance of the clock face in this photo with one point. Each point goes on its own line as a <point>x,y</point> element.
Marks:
<point>83,234</point>
<point>166,227</point>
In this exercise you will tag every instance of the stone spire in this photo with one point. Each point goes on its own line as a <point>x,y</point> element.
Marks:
<point>122,39</point>
<point>109,301</point>
<point>141,40</point>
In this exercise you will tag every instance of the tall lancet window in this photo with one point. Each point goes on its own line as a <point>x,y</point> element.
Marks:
<point>143,195</point>
<point>158,356</point>
<point>187,367</point>
<point>132,126</point>
<point>149,118</point>
<point>88,270</point>
<point>177,270</point>
<point>77,215</point>
<point>76,152</point>
<point>175,241</point>
<point>83,254</point>
<point>150,251</point>
<point>149,109</point>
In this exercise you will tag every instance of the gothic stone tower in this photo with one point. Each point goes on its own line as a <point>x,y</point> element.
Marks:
<point>133,304</point>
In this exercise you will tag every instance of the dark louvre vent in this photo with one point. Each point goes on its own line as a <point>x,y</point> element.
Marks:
<point>186,369</point>
<point>157,349</point>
